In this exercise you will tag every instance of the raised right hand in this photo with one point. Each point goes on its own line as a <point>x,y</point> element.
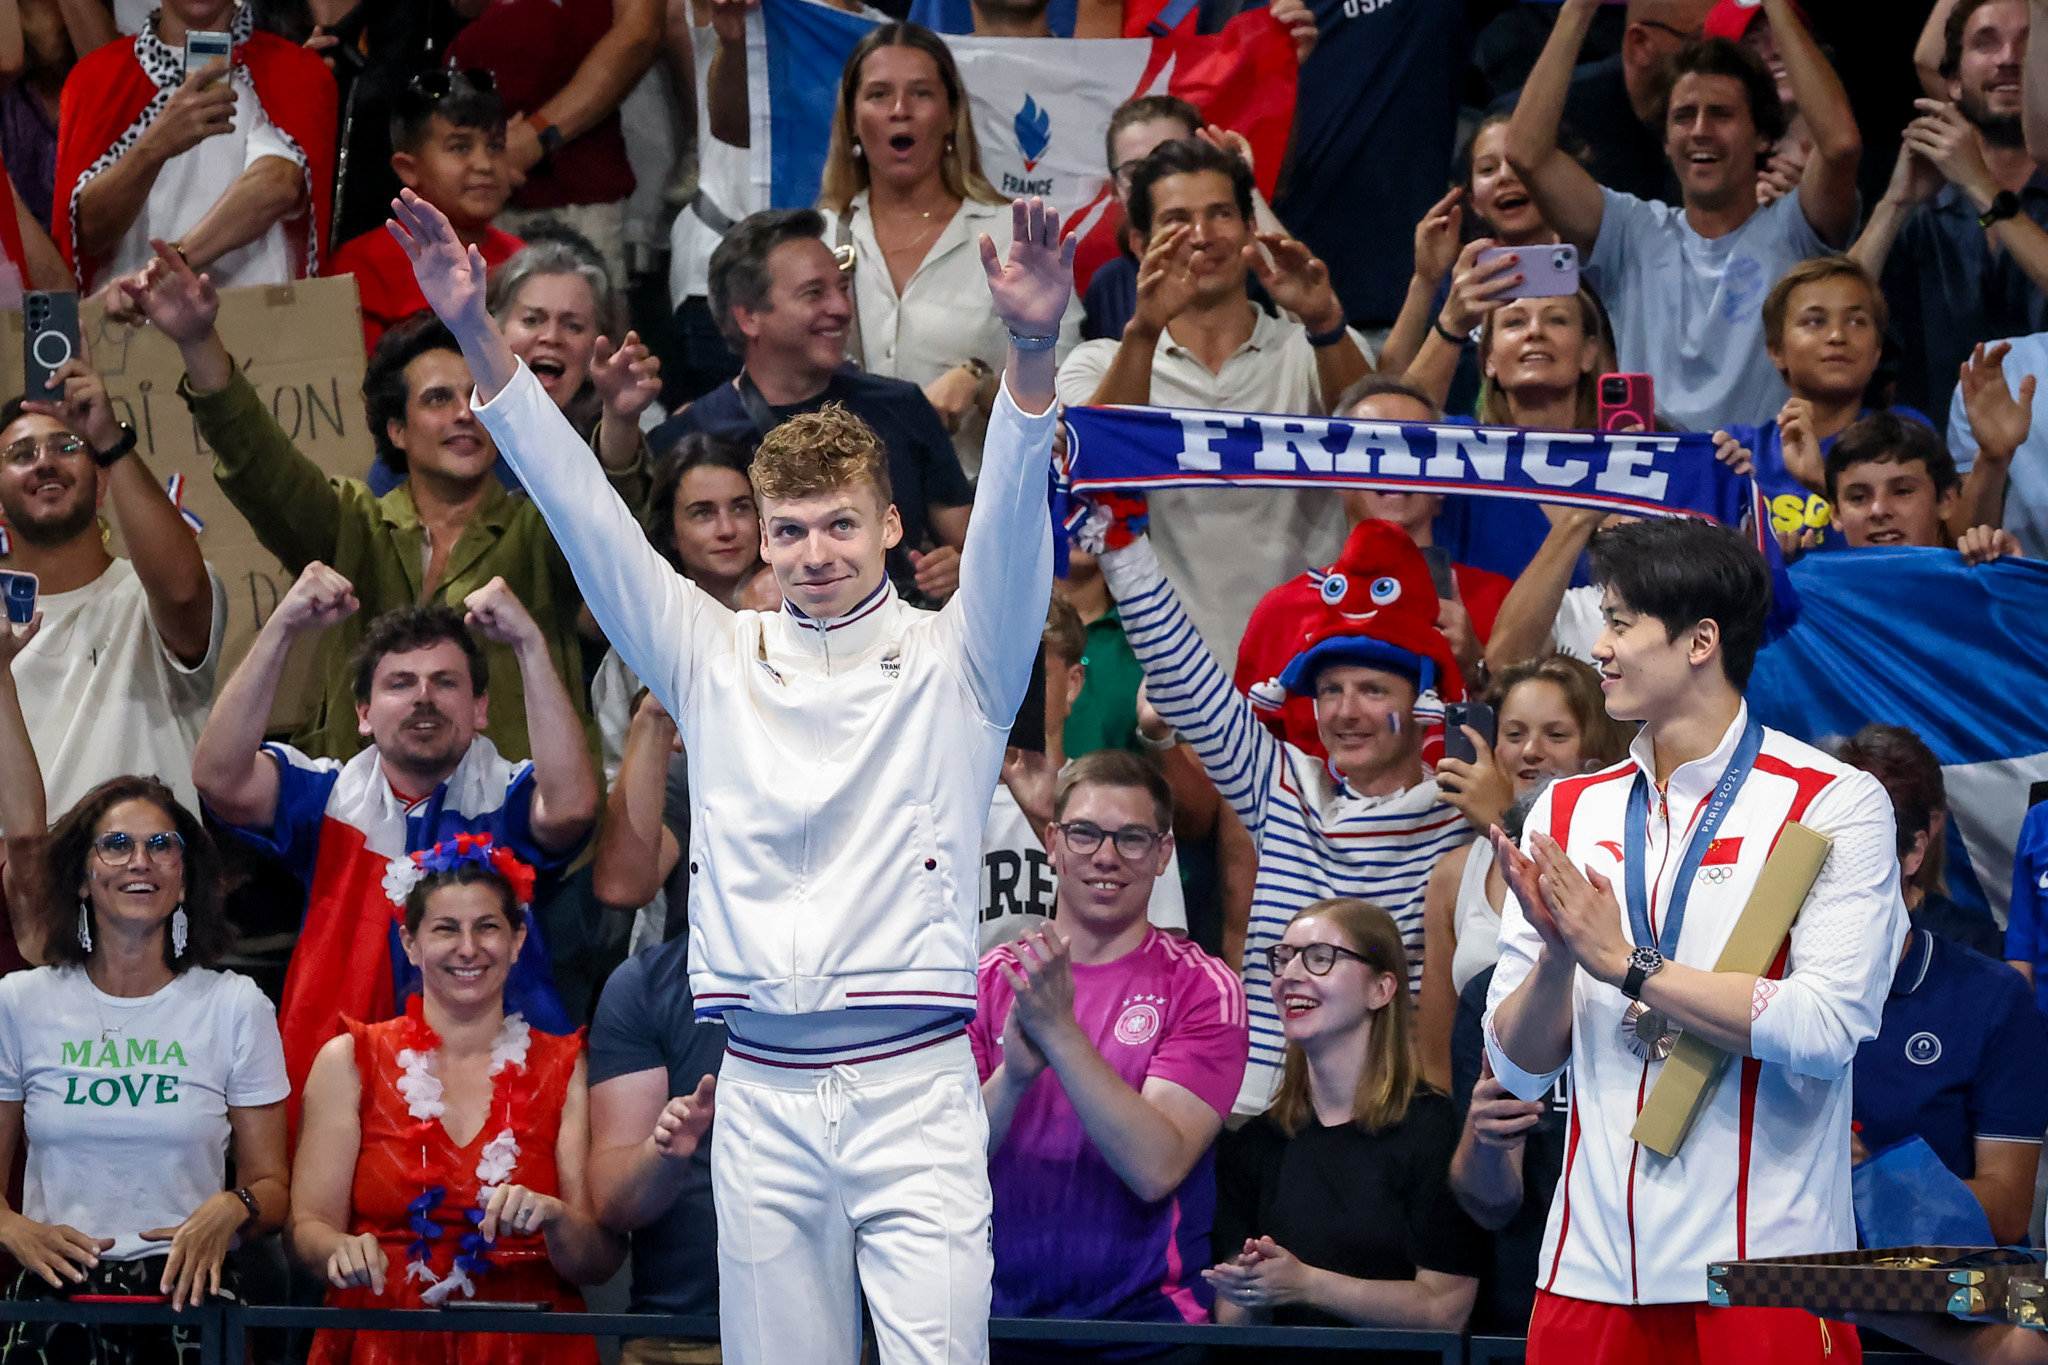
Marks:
<point>1166,277</point>
<point>451,276</point>
<point>1518,870</point>
<point>171,296</point>
<point>320,598</point>
<point>55,1251</point>
<point>358,1262</point>
<point>1476,288</point>
<point>203,107</point>
<point>1436,237</point>
<point>685,1120</point>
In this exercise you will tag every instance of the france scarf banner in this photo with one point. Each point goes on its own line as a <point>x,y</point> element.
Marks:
<point>1636,473</point>
<point>1915,637</point>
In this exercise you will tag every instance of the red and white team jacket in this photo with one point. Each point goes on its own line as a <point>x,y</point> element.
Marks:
<point>1765,1170</point>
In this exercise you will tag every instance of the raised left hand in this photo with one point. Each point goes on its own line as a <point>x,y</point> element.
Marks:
<point>1587,915</point>
<point>516,1211</point>
<point>1998,420</point>
<point>1481,792</point>
<point>451,275</point>
<point>1297,280</point>
<point>1044,994</point>
<point>495,612</point>
<point>1264,1275</point>
<point>627,376</point>
<point>1951,144</point>
<point>1300,22</point>
<point>1031,289</point>
<point>199,1247</point>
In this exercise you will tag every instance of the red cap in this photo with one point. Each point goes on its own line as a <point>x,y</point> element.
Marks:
<point>1731,19</point>
<point>1379,608</point>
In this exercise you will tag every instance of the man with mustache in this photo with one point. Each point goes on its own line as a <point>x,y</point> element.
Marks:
<point>420,682</point>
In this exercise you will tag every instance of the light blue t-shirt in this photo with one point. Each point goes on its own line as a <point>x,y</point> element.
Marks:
<point>1688,310</point>
<point>2026,488</point>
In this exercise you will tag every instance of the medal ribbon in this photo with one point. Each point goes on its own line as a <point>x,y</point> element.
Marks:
<point>1637,834</point>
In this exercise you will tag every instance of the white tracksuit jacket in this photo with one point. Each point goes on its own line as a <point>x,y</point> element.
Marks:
<point>840,770</point>
<point>1765,1170</point>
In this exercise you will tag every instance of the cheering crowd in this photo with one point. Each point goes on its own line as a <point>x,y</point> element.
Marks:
<point>741,844</point>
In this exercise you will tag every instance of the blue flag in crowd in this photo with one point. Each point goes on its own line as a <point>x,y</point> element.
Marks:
<point>1917,638</point>
<point>806,49</point>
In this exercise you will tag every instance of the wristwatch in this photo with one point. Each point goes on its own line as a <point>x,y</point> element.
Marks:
<point>1644,962</point>
<point>551,139</point>
<point>108,458</point>
<point>2005,204</point>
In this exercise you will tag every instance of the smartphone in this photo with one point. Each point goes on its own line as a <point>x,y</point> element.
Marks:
<point>50,337</point>
<point>1458,714</point>
<point>19,591</point>
<point>1548,272</point>
<point>202,45</point>
<point>1440,573</point>
<point>1628,402</point>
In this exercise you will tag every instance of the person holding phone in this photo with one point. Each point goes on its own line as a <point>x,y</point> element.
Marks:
<point>1549,722</point>
<point>232,160</point>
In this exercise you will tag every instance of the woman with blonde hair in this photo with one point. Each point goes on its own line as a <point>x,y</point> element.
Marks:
<point>1552,722</point>
<point>903,181</point>
<point>1339,1194</point>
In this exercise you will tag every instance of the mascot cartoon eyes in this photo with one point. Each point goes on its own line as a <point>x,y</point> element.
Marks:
<point>1333,587</point>
<point>1385,590</point>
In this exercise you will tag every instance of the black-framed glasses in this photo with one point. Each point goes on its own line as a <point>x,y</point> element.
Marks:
<point>1123,172</point>
<point>1317,957</point>
<point>1132,841</point>
<point>438,84</point>
<point>24,453</point>
<point>115,847</point>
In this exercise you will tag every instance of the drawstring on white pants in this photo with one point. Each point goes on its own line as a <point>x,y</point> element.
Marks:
<point>832,1097</point>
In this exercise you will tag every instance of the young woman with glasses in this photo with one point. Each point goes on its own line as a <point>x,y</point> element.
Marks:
<point>132,1068</point>
<point>1336,1201</point>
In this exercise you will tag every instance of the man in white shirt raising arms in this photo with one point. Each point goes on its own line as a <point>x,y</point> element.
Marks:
<point>842,753</point>
<point>1678,835</point>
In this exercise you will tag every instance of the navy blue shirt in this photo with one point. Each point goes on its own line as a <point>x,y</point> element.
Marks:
<point>924,472</point>
<point>1948,291</point>
<point>1374,117</point>
<point>1794,506</point>
<point>1961,1055</point>
<point>2026,921</point>
<point>645,1021</point>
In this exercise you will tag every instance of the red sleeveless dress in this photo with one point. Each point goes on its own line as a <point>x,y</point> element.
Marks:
<point>398,1151</point>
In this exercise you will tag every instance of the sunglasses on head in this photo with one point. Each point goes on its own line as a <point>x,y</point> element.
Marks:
<point>437,85</point>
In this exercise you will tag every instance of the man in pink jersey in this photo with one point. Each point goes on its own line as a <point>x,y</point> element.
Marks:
<point>1110,1054</point>
<point>1633,880</point>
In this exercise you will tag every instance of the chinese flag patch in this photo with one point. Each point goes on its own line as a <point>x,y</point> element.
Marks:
<point>1723,852</point>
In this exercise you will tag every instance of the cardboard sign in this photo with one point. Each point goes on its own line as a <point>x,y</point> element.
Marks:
<point>301,345</point>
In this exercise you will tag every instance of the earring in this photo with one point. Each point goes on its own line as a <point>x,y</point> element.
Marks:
<point>859,151</point>
<point>84,925</point>
<point>180,923</point>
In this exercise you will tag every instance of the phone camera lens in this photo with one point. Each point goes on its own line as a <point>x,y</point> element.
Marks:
<point>1561,260</point>
<point>1614,390</point>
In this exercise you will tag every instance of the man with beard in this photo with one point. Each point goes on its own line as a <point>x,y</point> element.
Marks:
<point>1963,261</point>
<point>420,681</point>
<point>119,678</point>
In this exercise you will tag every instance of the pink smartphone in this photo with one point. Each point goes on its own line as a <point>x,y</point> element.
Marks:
<point>1628,402</point>
<point>1548,272</point>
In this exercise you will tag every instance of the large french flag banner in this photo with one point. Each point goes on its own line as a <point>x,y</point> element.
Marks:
<point>1915,637</point>
<point>1040,105</point>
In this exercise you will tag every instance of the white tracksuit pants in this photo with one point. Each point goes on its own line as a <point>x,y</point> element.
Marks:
<point>852,1180</point>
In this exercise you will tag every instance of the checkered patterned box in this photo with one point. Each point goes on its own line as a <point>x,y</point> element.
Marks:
<point>1964,1281</point>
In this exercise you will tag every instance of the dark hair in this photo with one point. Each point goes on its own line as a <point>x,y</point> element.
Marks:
<point>1683,571</point>
<point>1723,57</point>
<point>462,874</point>
<point>1384,386</point>
<point>1952,36</point>
<point>417,626</point>
<point>11,411</point>
<point>1911,775</point>
<point>738,273</point>
<point>208,935</point>
<point>1064,636</point>
<point>1568,141</point>
<point>1116,768</point>
<point>385,390</point>
<point>1148,109</point>
<point>465,103</point>
<point>1187,158</point>
<point>698,450</point>
<point>1884,437</point>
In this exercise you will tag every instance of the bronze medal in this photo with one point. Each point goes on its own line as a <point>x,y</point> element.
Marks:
<point>1646,1033</point>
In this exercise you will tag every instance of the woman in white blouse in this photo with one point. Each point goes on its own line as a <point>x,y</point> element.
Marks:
<point>903,180</point>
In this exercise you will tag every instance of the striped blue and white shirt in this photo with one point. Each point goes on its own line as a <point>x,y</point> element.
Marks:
<point>1315,836</point>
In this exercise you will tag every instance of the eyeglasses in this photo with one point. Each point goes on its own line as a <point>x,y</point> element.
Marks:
<point>439,84</point>
<point>25,452</point>
<point>1132,841</point>
<point>1317,957</point>
<point>1122,173</point>
<point>116,848</point>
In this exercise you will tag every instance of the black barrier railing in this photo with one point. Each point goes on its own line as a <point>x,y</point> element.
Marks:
<point>222,1329</point>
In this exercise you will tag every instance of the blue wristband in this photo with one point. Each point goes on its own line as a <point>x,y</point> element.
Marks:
<point>1330,338</point>
<point>1024,343</point>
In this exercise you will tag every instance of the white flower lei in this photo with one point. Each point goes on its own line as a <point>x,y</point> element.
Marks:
<point>500,1157</point>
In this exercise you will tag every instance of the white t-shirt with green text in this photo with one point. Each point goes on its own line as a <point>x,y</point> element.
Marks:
<point>126,1100</point>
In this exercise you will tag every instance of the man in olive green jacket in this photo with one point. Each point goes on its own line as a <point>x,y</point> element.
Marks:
<point>447,530</point>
